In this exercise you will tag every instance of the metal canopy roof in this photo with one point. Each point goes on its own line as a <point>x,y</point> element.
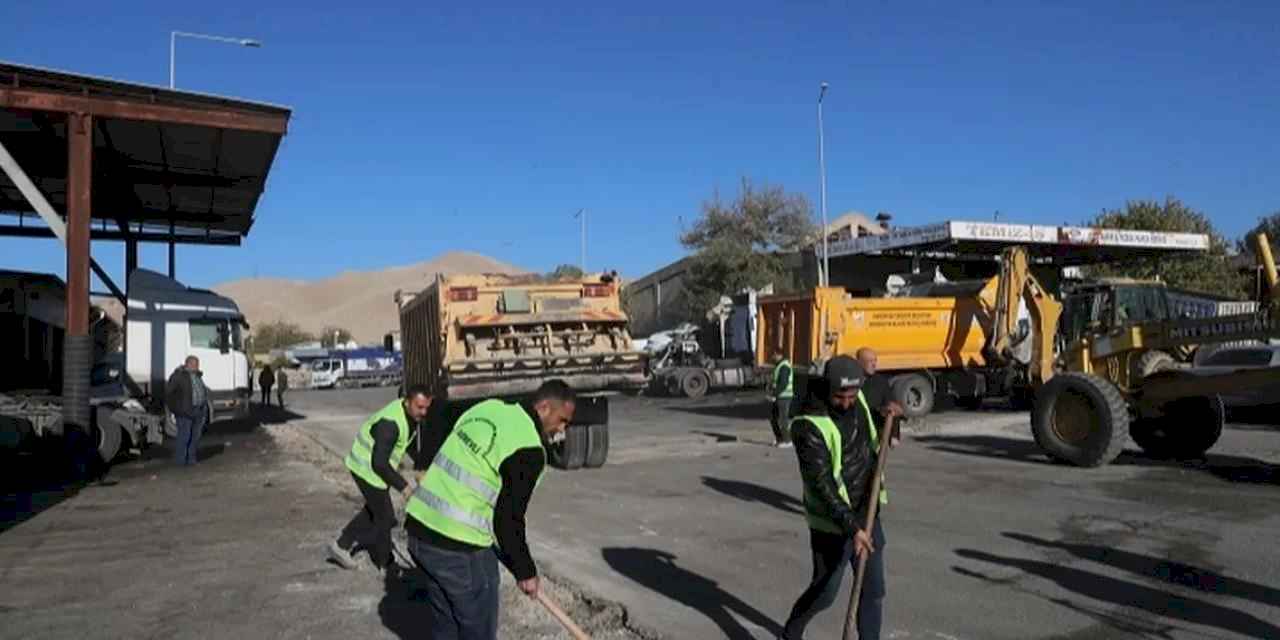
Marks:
<point>163,160</point>
<point>1059,245</point>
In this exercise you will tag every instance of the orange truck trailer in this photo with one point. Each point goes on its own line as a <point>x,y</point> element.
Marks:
<point>928,346</point>
<point>479,336</point>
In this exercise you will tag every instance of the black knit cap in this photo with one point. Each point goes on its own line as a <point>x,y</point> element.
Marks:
<point>843,372</point>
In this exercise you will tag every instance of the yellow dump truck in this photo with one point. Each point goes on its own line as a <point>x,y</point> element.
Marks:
<point>928,345</point>
<point>473,337</point>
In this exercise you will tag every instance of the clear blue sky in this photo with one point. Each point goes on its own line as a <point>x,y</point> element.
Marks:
<point>421,127</point>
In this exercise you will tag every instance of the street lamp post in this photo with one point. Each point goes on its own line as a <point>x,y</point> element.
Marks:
<point>582,261</point>
<point>822,188</point>
<point>173,46</point>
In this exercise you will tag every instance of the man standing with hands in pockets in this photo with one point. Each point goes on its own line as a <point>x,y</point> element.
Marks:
<point>835,440</point>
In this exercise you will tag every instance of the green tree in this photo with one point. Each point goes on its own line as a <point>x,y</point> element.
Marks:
<point>739,244</point>
<point>278,335</point>
<point>1210,272</point>
<point>328,333</point>
<point>565,272</point>
<point>1269,225</point>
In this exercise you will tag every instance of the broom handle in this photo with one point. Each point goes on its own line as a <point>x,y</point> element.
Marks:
<point>562,617</point>
<point>882,457</point>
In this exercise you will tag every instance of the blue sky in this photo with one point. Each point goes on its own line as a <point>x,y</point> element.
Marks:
<point>425,127</point>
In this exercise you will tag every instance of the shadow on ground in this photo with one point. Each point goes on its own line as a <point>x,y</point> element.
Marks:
<point>1115,594</point>
<point>1231,468</point>
<point>746,410</point>
<point>657,570</point>
<point>751,492</point>
<point>404,609</point>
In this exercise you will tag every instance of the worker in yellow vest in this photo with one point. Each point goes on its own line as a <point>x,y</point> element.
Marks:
<point>781,385</point>
<point>836,443</point>
<point>374,463</point>
<point>469,508</point>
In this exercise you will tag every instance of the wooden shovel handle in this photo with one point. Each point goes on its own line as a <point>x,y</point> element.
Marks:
<point>561,616</point>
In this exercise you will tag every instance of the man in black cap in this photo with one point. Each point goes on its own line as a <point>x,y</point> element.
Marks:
<point>836,442</point>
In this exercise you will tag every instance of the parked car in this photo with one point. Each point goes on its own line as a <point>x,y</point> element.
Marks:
<point>1235,358</point>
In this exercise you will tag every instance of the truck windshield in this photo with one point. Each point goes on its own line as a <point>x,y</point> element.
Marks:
<point>320,365</point>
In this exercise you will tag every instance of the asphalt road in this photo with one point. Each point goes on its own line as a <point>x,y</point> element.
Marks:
<point>695,525</point>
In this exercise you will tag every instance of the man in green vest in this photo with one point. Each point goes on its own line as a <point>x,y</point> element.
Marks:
<point>469,508</point>
<point>835,441</point>
<point>374,463</point>
<point>781,384</point>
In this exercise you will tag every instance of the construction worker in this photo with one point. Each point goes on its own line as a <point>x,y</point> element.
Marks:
<point>781,385</point>
<point>373,461</point>
<point>835,440</point>
<point>472,499</point>
<point>876,389</point>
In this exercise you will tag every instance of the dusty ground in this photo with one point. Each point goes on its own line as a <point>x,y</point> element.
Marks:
<point>694,524</point>
<point>229,549</point>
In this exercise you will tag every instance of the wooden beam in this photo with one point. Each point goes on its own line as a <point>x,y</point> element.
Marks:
<point>128,110</point>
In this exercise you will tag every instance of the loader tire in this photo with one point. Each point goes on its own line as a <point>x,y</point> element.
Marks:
<point>1151,362</point>
<point>1188,428</point>
<point>1081,419</point>
<point>915,393</point>
<point>571,451</point>
<point>597,446</point>
<point>109,437</point>
<point>695,384</point>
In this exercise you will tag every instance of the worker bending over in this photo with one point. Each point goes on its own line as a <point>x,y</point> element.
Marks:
<point>835,441</point>
<point>374,461</point>
<point>473,497</point>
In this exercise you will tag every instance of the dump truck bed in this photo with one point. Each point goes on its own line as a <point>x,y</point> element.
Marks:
<point>478,336</point>
<point>907,333</point>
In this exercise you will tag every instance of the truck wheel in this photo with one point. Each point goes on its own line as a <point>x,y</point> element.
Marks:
<point>597,446</point>
<point>1080,418</point>
<point>1151,362</point>
<point>1188,428</point>
<point>571,452</point>
<point>109,437</point>
<point>915,393</point>
<point>695,384</point>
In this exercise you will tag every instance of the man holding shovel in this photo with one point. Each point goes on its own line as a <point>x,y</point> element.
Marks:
<point>836,442</point>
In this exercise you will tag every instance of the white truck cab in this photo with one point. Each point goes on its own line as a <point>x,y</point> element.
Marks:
<point>168,321</point>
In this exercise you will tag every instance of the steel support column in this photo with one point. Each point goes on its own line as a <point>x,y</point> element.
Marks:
<point>78,344</point>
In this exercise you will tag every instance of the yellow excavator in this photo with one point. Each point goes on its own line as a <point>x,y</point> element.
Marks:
<point>1103,368</point>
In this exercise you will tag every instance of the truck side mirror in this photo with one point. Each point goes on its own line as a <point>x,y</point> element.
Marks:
<point>224,338</point>
<point>388,343</point>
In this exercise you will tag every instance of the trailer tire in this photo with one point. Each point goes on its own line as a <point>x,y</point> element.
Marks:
<point>1188,428</point>
<point>915,393</point>
<point>1151,362</point>
<point>571,451</point>
<point>695,384</point>
<point>1080,418</point>
<point>597,446</point>
<point>109,436</point>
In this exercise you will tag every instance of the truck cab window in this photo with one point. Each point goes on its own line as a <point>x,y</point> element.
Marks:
<point>205,335</point>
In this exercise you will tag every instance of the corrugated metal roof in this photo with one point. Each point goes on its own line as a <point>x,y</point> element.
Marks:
<point>205,181</point>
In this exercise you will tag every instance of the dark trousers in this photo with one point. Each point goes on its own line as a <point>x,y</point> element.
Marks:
<point>371,527</point>
<point>462,587</point>
<point>780,420</point>
<point>266,394</point>
<point>280,396</point>
<point>831,552</point>
<point>190,428</point>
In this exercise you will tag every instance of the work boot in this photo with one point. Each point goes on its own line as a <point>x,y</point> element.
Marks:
<point>341,556</point>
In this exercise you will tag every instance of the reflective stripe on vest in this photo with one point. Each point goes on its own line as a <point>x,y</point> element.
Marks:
<point>815,513</point>
<point>787,390</point>
<point>457,495</point>
<point>360,459</point>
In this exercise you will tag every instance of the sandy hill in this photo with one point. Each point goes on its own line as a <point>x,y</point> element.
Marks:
<point>362,302</point>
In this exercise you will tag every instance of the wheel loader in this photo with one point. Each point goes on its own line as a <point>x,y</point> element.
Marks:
<point>1104,367</point>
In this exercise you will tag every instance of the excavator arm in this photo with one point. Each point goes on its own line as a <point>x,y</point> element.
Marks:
<point>1014,284</point>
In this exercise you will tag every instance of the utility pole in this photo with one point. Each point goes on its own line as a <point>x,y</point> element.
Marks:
<point>582,261</point>
<point>822,187</point>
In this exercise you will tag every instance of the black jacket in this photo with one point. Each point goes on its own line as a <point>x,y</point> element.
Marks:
<point>857,461</point>
<point>177,392</point>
